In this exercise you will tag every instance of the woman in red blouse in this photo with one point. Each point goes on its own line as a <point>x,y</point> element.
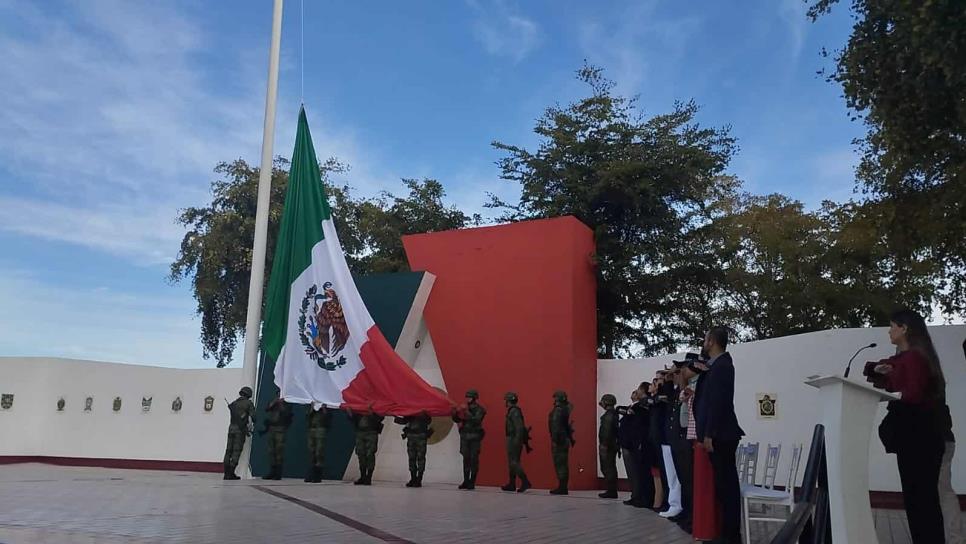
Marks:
<point>913,428</point>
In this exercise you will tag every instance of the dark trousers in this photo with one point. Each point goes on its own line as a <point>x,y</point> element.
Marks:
<point>684,465</point>
<point>919,473</point>
<point>639,476</point>
<point>727,489</point>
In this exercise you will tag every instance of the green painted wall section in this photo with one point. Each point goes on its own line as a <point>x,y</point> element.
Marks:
<point>389,297</point>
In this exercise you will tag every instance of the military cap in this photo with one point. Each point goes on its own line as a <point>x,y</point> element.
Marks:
<point>472,393</point>
<point>246,392</point>
<point>510,396</point>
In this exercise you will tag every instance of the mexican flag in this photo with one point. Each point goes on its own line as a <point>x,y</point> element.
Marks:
<point>326,347</point>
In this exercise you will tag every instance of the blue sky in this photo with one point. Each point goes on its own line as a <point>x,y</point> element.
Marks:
<point>113,113</point>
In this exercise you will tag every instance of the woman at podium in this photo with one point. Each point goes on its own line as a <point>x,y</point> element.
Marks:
<point>914,428</point>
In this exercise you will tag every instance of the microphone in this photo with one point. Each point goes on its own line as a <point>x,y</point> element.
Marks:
<point>849,367</point>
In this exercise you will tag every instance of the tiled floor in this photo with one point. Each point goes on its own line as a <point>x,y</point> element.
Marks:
<point>49,504</point>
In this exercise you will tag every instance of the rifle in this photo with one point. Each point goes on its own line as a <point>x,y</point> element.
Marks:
<point>526,439</point>
<point>570,427</point>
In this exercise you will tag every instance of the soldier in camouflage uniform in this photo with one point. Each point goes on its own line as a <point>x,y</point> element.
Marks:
<point>242,415</point>
<point>276,425</point>
<point>607,445</point>
<point>561,440</point>
<point>517,438</point>
<point>416,432</point>
<point>368,426</point>
<point>470,420</point>
<point>317,423</point>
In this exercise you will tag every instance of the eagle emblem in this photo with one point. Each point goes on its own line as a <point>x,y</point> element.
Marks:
<point>209,403</point>
<point>61,403</point>
<point>6,401</point>
<point>176,404</point>
<point>88,404</point>
<point>117,404</point>
<point>146,403</point>
<point>322,327</point>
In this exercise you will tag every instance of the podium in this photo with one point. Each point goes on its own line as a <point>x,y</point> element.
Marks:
<point>849,409</point>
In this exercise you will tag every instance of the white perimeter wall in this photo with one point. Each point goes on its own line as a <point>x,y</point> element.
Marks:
<point>779,366</point>
<point>34,427</point>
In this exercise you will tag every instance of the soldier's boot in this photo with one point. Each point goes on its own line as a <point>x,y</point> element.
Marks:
<point>230,472</point>
<point>277,472</point>
<point>419,479</point>
<point>561,488</point>
<point>512,484</point>
<point>318,475</point>
<point>466,478</point>
<point>472,481</point>
<point>368,480</point>
<point>362,477</point>
<point>524,485</point>
<point>610,493</point>
<point>412,479</point>
<point>270,475</point>
<point>309,475</point>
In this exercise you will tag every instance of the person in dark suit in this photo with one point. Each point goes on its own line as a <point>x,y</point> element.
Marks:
<point>718,430</point>
<point>632,434</point>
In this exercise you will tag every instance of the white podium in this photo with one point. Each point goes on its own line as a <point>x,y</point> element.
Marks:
<point>849,409</point>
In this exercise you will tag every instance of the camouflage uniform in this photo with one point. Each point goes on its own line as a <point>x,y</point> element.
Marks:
<point>607,445</point>
<point>277,424</point>
<point>470,420</point>
<point>242,414</point>
<point>517,437</point>
<point>416,432</point>
<point>561,440</point>
<point>368,427</point>
<point>317,423</point>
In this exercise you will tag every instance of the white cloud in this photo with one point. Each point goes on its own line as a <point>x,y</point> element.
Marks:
<point>792,13</point>
<point>502,31</point>
<point>43,319</point>
<point>635,43</point>
<point>112,122</point>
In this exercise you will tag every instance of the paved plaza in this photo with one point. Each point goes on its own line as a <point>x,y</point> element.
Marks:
<point>52,504</point>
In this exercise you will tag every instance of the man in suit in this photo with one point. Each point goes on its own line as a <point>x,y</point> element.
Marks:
<point>717,429</point>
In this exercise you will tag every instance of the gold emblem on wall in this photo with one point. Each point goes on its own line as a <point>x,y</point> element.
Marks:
<point>88,404</point>
<point>767,406</point>
<point>117,404</point>
<point>209,403</point>
<point>61,404</point>
<point>6,401</point>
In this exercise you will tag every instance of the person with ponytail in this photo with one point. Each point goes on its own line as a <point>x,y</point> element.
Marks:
<point>915,427</point>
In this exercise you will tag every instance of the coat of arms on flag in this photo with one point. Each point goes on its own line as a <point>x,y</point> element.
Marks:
<point>322,326</point>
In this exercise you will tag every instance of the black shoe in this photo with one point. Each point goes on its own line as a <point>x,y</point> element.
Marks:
<point>631,502</point>
<point>464,484</point>
<point>524,486</point>
<point>609,494</point>
<point>317,475</point>
<point>277,472</point>
<point>559,491</point>
<point>509,487</point>
<point>360,481</point>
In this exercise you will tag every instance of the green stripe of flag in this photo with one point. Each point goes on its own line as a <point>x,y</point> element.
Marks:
<point>301,229</point>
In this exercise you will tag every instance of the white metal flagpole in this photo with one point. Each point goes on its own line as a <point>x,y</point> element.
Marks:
<point>254,321</point>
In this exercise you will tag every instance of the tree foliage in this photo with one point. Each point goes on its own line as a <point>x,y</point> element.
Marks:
<point>216,249</point>
<point>641,184</point>
<point>903,72</point>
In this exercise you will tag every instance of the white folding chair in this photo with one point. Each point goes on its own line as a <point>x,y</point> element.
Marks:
<point>749,472</point>
<point>740,461</point>
<point>771,497</point>
<point>771,466</point>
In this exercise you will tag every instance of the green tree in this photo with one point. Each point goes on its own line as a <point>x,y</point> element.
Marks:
<point>903,72</point>
<point>216,249</point>
<point>641,184</point>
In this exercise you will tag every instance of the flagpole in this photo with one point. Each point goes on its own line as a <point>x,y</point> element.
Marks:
<point>254,320</point>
